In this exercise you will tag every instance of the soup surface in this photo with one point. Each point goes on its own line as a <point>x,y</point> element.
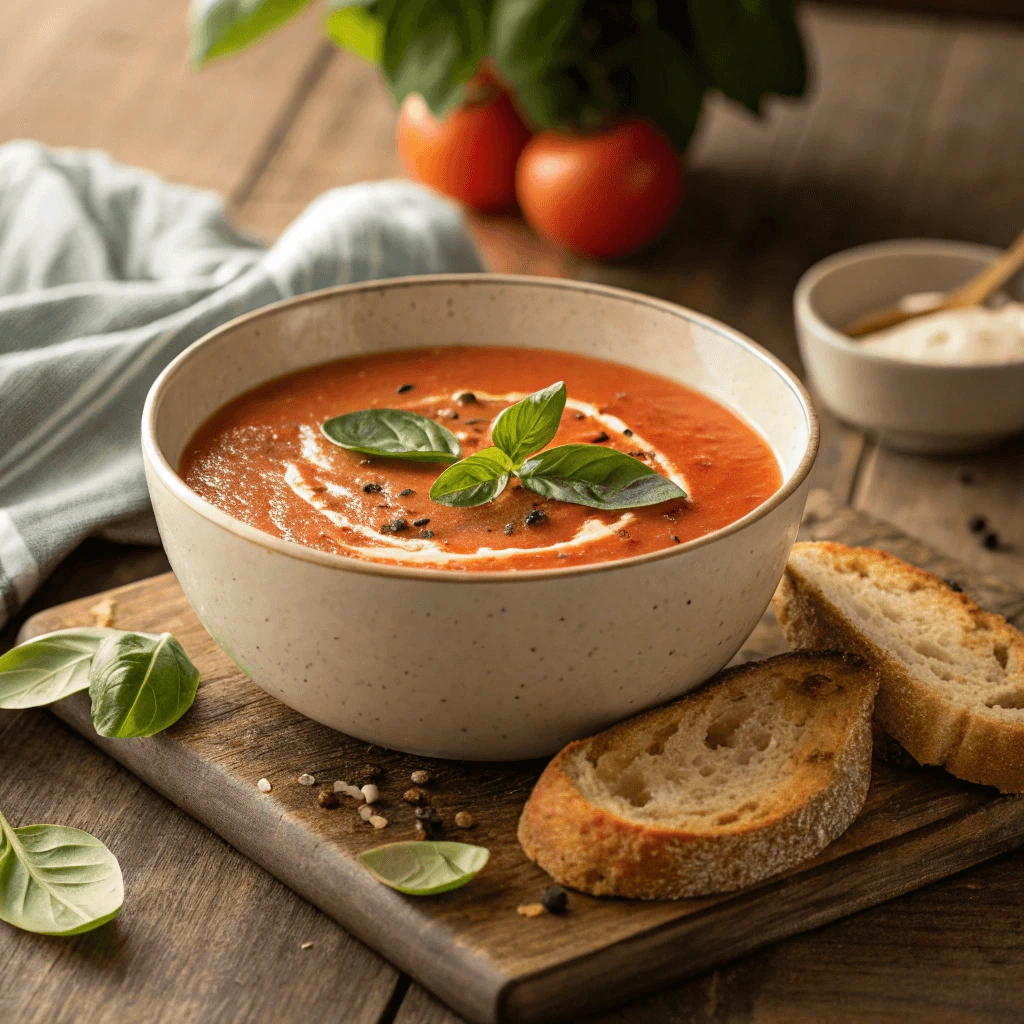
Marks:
<point>263,460</point>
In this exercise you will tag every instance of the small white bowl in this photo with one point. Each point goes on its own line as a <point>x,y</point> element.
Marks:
<point>912,407</point>
<point>484,665</point>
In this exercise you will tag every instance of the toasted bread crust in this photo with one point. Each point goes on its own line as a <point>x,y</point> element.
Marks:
<point>933,728</point>
<point>600,852</point>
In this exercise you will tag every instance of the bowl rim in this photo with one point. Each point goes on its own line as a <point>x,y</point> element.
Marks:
<point>170,479</point>
<point>892,248</point>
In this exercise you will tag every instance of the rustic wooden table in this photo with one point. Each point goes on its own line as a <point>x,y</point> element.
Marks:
<point>914,127</point>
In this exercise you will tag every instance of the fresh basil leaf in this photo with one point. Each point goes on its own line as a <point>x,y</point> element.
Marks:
<point>750,48</point>
<point>140,684</point>
<point>524,428</point>
<point>50,667</point>
<point>393,434</point>
<point>56,880</point>
<point>539,46</point>
<point>578,65</point>
<point>433,47</point>
<point>425,868</point>
<point>474,481</point>
<point>587,474</point>
<point>352,25</point>
<point>670,91</point>
<point>218,27</point>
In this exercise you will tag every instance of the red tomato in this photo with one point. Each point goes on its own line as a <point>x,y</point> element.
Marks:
<point>600,195</point>
<point>471,155</point>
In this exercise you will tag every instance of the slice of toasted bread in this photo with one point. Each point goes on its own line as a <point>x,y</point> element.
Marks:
<point>951,675</point>
<point>758,770</point>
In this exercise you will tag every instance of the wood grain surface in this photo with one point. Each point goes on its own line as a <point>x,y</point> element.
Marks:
<point>912,127</point>
<point>185,889</point>
<point>115,73</point>
<point>471,947</point>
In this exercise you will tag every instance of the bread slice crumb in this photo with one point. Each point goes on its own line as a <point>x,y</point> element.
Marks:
<point>951,675</point>
<point>103,612</point>
<point>755,772</point>
<point>531,910</point>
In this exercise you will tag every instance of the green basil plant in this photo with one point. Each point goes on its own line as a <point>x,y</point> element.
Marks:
<point>574,65</point>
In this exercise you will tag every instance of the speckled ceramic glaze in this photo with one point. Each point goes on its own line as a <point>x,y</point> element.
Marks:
<point>908,406</point>
<point>475,665</point>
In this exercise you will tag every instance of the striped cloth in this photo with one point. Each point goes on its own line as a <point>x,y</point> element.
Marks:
<point>106,274</point>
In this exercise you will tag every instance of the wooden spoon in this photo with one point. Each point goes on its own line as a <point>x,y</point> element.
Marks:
<point>973,293</point>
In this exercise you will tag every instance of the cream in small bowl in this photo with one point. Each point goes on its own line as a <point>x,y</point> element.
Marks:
<point>475,664</point>
<point>942,384</point>
<point>973,336</point>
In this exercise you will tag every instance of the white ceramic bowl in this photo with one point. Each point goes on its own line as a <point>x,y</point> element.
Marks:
<point>909,406</point>
<point>475,665</point>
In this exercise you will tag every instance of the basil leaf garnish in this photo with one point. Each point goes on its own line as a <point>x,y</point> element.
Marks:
<point>56,880</point>
<point>527,426</point>
<point>393,434</point>
<point>474,481</point>
<point>425,868</point>
<point>582,474</point>
<point>587,474</point>
<point>50,667</point>
<point>140,684</point>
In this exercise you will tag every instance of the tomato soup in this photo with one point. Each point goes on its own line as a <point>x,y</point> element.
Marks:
<point>263,460</point>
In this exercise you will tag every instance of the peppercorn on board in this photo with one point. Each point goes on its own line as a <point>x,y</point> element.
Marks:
<point>470,946</point>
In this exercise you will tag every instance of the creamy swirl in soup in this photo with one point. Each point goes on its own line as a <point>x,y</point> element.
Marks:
<point>263,460</point>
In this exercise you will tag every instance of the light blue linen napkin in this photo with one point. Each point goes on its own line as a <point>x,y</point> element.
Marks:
<point>106,274</point>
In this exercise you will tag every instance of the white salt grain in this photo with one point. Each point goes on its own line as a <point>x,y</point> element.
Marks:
<point>370,792</point>
<point>378,822</point>
<point>342,786</point>
<point>263,785</point>
<point>306,780</point>
<point>365,813</point>
<point>420,777</point>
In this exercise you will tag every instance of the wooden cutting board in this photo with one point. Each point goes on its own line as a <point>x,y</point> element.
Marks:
<point>470,947</point>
